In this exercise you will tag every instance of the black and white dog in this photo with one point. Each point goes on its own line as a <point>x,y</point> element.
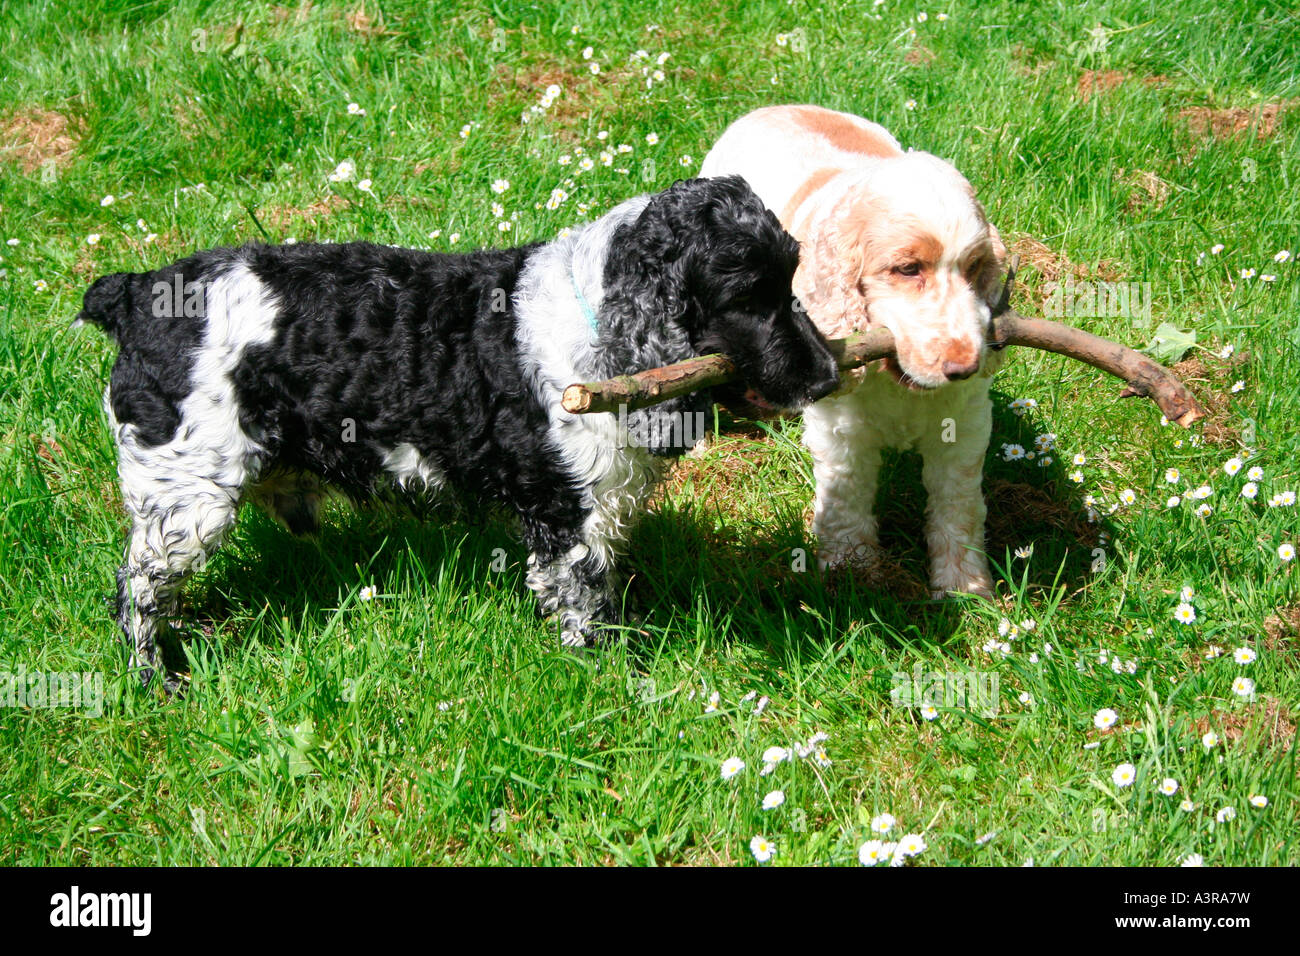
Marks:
<point>280,372</point>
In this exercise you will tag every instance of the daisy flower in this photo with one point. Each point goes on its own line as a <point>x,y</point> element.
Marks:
<point>1238,386</point>
<point>1213,651</point>
<point>1267,277</point>
<point>1184,613</point>
<point>912,845</point>
<point>40,285</point>
<point>910,105</point>
<point>882,823</point>
<point>1173,502</point>
<point>1243,687</point>
<point>1232,466</point>
<point>1216,248</point>
<point>1193,859</point>
<point>762,848</point>
<point>93,239</point>
<point>1172,475</point>
<point>108,200</point>
<point>1187,593</point>
<point>1104,719</point>
<point>355,109</point>
<point>1255,473</point>
<point>1244,655</point>
<point>1282,256</point>
<point>652,139</point>
<point>775,754</point>
<point>1210,740</point>
<point>1226,815</point>
<point>930,712</point>
<point>1202,492</point>
<point>1204,510</point>
<point>368,593</point>
<point>1168,786</point>
<point>687,160</point>
<point>1076,476</point>
<point>343,171</point>
<point>1128,496</point>
<point>1012,452</point>
<point>1249,490</point>
<point>1286,551</point>
<point>1227,350</point>
<point>871,853</point>
<point>732,766</point>
<point>1187,806</point>
<point>1259,800</point>
<point>1025,553</point>
<point>1124,775</point>
<point>1247,273</point>
<point>774,800</point>
<point>500,185</point>
<point>712,706</point>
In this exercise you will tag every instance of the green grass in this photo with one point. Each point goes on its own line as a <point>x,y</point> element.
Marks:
<point>439,723</point>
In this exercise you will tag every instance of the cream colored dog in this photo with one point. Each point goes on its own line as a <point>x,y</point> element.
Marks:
<point>894,239</point>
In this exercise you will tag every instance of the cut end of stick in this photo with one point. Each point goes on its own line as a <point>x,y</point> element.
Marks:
<point>576,399</point>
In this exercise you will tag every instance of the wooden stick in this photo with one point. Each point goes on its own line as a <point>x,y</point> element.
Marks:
<point>1142,375</point>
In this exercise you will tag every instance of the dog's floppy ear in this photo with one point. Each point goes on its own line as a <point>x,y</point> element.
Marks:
<point>990,288</point>
<point>831,261</point>
<point>645,311</point>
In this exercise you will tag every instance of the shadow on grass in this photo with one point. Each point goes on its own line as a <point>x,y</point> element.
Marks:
<point>760,582</point>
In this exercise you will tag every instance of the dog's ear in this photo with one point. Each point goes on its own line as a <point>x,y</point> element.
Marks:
<point>646,296</point>
<point>827,281</point>
<point>990,289</point>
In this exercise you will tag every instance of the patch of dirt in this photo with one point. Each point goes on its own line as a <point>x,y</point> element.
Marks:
<point>1220,425</point>
<point>281,217</point>
<point>1012,506</point>
<point>920,55</point>
<point>1148,189</point>
<point>1281,630</point>
<point>1233,121</point>
<point>1274,719</point>
<point>1054,266</point>
<point>1103,81</point>
<point>367,24</point>
<point>34,137</point>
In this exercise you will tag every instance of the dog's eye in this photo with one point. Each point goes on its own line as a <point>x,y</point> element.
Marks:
<point>908,269</point>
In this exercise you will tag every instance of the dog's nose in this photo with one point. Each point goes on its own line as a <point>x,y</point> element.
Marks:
<point>959,370</point>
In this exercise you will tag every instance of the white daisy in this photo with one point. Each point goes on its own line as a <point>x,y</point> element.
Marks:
<point>762,848</point>
<point>1104,719</point>
<point>1169,786</point>
<point>1244,655</point>
<point>1124,775</point>
<point>882,823</point>
<point>773,800</point>
<point>732,766</point>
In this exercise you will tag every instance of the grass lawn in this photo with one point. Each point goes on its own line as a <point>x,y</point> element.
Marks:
<point>438,722</point>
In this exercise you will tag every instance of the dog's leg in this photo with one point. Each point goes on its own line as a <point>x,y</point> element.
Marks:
<point>846,468</point>
<point>953,473</point>
<point>170,536</point>
<point>574,549</point>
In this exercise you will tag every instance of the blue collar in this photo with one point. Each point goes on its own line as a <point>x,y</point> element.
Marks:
<point>588,312</point>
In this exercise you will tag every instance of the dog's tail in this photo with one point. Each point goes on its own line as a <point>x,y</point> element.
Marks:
<point>107,303</point>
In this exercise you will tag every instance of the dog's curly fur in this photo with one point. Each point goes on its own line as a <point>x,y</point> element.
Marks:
<point>894,239</point>
<point>280,372</point>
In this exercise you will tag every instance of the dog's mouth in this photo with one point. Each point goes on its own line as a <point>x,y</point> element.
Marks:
<point>748,402</point>
<point>891,366</point>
